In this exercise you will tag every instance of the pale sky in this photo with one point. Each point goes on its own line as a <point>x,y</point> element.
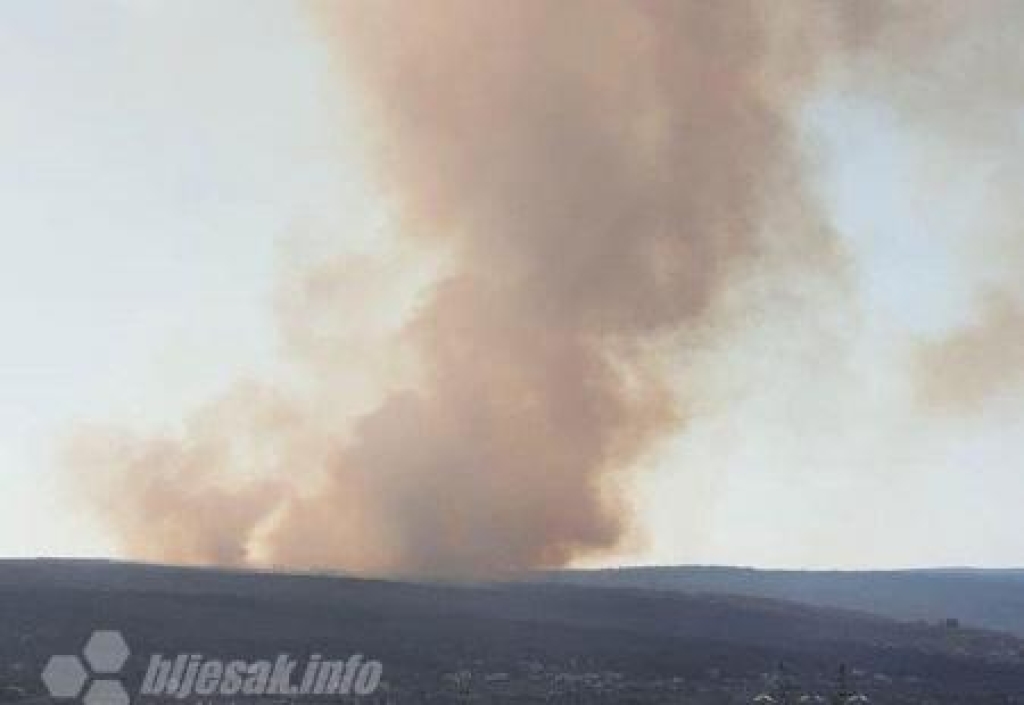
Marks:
<point>157,157</point>
<point>153,164</point>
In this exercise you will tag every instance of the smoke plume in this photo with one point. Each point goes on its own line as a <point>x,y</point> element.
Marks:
<point>976,363</point>
<point>954,74</point>
<point>597,175</point>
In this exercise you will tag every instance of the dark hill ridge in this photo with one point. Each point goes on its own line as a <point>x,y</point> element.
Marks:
<point>637,645</point>
<point>993,599</point>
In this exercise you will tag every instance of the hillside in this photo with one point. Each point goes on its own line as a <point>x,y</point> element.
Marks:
<point>519,642</point>
<point>993,599</point>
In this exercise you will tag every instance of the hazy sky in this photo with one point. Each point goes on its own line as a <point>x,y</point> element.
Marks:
<point>158,158</point>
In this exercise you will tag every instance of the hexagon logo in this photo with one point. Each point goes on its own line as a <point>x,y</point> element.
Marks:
<point>105,653</point>
<point>106,692</point>
<point>64,676</point>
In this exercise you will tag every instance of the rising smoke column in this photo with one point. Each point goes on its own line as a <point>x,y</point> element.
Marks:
<point>597,174</point>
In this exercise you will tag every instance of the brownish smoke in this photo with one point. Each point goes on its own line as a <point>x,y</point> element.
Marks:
<point>976,363</point>
<point>598,173</point>
<point>953,72</point>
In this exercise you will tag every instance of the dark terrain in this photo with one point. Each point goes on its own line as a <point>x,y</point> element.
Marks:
<point>993,599</point>
<point>513,642</point>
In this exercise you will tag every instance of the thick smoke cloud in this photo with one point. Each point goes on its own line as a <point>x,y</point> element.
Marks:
<point>597,175</point>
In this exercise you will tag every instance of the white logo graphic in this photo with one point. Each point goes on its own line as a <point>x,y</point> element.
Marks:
<point>184,675</point>
<point>105,655</point>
